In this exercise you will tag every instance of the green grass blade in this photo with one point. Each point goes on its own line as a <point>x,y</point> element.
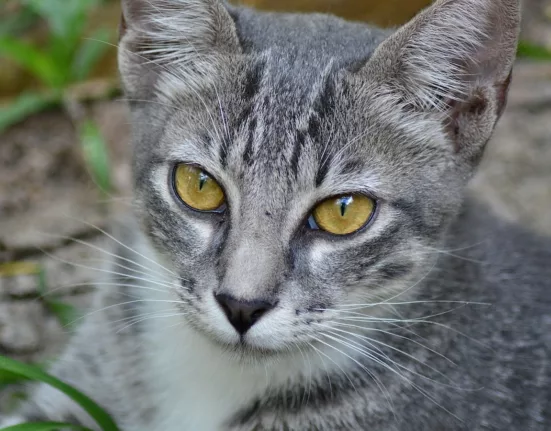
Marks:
<point>64,17</point>
<point>533,51</point>
<point>89,53</point>
<point>25,105</point>
<point>15,23</point>
<point>44,426</point>
<point>31,59</point>
<point>34,373</point>
<point>96,156</point>
<point>65,313</point>
<point>7,378</point>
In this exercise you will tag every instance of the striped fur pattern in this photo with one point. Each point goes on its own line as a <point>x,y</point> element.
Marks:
<point>433,317</point>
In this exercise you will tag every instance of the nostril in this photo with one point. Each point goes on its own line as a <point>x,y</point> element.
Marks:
<point>257,314</point>
<point>226,309</point>
<point>242,314</point>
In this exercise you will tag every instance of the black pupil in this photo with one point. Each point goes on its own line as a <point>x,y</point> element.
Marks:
<point>343,203</point>
<point>203,178</point>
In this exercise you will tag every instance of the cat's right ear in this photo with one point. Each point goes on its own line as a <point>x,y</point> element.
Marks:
<point>450,68</point>
<point>172,41</point>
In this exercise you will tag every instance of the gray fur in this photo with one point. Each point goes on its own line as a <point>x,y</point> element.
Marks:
<point>284,111</point>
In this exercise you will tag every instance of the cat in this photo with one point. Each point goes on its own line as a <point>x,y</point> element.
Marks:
<point>304,253</point>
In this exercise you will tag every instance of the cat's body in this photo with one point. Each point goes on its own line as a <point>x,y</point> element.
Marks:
<point>435,316</point>
<point>159,375</point>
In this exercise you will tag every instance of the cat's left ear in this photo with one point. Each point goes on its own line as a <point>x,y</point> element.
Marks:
<point>179,40</point>
<point>452,62</point>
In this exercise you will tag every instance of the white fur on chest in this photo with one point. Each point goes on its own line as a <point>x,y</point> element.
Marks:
<point>197,387</point>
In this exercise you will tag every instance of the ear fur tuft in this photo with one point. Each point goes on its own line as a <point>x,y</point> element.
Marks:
<point>183,36</point>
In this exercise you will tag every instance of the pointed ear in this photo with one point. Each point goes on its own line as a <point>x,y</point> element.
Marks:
<point>454,61</point>
<point>172,39</point>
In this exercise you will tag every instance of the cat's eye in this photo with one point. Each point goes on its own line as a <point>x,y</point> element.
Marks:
<point>197,189</point>
<point>343,215</point>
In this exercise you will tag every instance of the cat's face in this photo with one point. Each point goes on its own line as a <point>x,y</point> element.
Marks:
<point>266,266</point>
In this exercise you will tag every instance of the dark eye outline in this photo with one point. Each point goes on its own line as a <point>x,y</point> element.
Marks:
<point>220,210</point>
<point>311,224</point>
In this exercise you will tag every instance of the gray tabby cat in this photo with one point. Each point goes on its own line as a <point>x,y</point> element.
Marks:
<point>305,256</point>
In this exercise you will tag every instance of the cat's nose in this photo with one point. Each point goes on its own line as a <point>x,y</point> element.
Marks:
<point>243,314</point>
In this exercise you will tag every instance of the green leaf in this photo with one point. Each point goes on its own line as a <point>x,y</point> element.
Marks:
<point>29,57</point>
<point>533,51</point>
<point>16,23</point>
<point>64,17</point>
<point>65,313</point>
<point>25,105</point>
<point>34,373</point>
<point>95,155</point>
<point>89,53</point>
<point>45,426</point>
<point>8,378</point>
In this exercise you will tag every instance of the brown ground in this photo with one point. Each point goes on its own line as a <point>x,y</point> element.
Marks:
<point>45,188</point>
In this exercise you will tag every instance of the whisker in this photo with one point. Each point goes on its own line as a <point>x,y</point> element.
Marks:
<point>318,351</point>
<point>118,304</point>
<point>374,304</point>
<point>166,316</point>
<point>124,245</point>
<point>369,373</point>
<point>372,340</point>
<point>306,396</point>
<point>362,316</point>
<point>114,265</point>
<point>152,313</point>
<point>106,271</point>
<point>398,336</point>
<point>94,284</point>
<point>388,367</point>
<point>413,285</point>
<point>338,366</point>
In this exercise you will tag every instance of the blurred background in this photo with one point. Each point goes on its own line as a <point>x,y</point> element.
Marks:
<point>64,152</point>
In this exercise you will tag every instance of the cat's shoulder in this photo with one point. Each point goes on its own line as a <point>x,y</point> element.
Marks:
<point>510,256</point>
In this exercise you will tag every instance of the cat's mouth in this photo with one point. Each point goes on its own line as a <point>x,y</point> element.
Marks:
<point>244,350</point>
<point>241,347</point>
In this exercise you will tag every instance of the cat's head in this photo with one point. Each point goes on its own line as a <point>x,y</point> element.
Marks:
<point>288,174</point>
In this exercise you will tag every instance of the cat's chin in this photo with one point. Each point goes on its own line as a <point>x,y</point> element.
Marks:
<point>247,352</point>
<point>240,349</point>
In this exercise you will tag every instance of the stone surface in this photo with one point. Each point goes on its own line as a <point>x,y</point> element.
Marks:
<point>21,326</point>
<point>18,286</point>
<point>41,163</point>
<point>537,22</point>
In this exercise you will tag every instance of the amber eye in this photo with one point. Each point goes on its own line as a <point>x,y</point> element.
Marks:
<point>197,189</point>
<point>342,215</point>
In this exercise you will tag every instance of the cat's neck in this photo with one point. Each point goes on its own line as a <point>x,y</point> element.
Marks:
<point>216,383</point>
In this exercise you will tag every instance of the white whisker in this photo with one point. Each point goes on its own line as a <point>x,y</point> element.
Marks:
<point>377,381</point>
<point>125,246</point>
